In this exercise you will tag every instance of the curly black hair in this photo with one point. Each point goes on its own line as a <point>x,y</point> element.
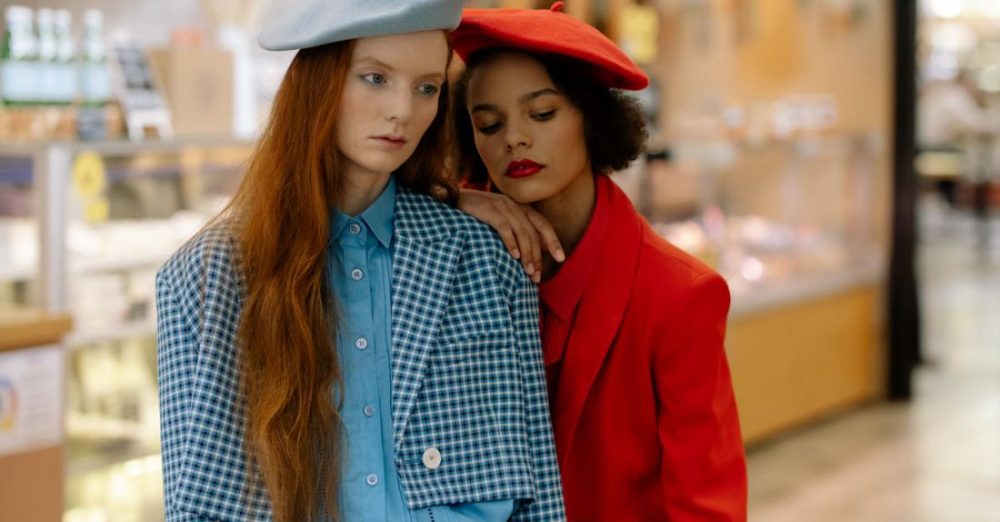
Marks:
<point>613,122</point>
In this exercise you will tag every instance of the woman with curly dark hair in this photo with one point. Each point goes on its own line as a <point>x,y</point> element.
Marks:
<point>632,328</point>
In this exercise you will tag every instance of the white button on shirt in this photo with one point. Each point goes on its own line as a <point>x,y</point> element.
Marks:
<point>357,274</point>
<point>354,228</point>
<point>361,343</point>
<point>372,479</point>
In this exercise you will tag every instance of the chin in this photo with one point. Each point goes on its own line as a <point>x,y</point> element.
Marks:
<point>523,193</point>
<point>383,165</point>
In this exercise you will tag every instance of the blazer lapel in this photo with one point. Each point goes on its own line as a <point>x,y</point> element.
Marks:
<point>425,254</point>
<point>601,311</point>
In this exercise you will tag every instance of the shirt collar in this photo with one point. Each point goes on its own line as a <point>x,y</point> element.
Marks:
<point>378,217</point>
<point>563,292</point>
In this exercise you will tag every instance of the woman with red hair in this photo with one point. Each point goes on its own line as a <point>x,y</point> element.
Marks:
<point>340,343</point>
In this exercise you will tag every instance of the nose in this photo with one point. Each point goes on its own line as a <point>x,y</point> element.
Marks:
<point>399,105</point>
<point>516,136</point>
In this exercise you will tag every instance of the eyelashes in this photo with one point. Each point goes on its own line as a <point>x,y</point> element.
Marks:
<point>490,129</point>
<point>373,78</point>
<point>428,90</point>
<point>544,116</point>
<point>537,116</point>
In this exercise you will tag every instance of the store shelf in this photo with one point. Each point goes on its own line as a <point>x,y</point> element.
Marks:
<point>805,288</point>
<point>83,466</point>
<point>119,147</point>
<point>13,274</point>
<point>77,340</point>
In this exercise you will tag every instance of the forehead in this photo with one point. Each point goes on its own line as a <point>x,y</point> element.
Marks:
<point>423,52</point>
<point>507,76</point>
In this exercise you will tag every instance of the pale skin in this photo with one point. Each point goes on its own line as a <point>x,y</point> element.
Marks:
<point>389,101</point>
<point>518,114</point>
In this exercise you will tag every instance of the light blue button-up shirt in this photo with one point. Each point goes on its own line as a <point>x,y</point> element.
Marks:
<point>361,274</point>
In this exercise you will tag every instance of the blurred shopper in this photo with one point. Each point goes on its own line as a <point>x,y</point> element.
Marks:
<point>950,120</point>
<point>633,328</point>
<point>340,344</point>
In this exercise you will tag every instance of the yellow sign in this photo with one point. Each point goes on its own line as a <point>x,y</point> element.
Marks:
<point>96,211</point>
<point>639,32</point>
<point>90,180</point>
<point>89,177</point>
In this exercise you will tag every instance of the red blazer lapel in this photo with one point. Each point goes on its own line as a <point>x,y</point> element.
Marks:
<point>602,309</point>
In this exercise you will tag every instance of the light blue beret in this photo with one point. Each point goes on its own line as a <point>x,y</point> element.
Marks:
<point>300,24</point>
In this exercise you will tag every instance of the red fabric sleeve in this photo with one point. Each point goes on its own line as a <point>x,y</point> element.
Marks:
<point>704,468</point>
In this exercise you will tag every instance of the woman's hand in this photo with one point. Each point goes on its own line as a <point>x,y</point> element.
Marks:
<point>523,230</point>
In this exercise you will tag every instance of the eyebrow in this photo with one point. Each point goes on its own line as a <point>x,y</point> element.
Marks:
<point>523,99</point>
<point>369,60</point>
<point>374,61</point>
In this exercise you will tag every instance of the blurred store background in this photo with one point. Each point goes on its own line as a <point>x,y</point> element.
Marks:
<point>836,160</point>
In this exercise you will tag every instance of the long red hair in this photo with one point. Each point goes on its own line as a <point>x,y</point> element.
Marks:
<point>281,214</point>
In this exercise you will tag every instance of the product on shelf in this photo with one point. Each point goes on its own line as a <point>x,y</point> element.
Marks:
<point>48,90</point>
<point>95,78</point>
<point>19,57</point>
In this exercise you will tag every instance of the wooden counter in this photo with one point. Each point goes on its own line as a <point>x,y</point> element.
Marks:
<point>798,363</point>
<point>27,328</point>
<point>31,481</point>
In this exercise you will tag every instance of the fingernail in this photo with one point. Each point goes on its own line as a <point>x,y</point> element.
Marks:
<point>537,278</point>
<point>559,256</point>
<point>516,253</point>
<point>530,268</point>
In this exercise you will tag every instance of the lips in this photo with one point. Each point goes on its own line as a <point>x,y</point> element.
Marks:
<point>523,168</point>
<point>391,140</point>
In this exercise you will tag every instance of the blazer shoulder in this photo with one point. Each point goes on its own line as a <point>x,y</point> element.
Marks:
<point>210,255</point>
<point>424,217</point>
<point>429,214</point>
<point>662,260</point>
<point>676,294</point>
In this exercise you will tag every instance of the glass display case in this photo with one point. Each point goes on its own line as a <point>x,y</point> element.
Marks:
<point>780,219</point>
<point>83,229</point>
<point>793,226</point>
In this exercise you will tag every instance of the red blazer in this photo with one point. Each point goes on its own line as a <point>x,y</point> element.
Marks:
<point>645,419</point>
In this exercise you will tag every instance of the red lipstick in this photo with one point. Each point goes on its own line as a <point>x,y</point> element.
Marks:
<point>523,168</point>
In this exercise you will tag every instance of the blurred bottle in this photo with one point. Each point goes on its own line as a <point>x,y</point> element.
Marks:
<point>47,67</point>
<point>95,79</point>
<point>19,58</point>
<point>66,75</point>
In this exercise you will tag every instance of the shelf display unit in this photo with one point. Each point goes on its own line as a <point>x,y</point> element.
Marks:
<point>83,229</point>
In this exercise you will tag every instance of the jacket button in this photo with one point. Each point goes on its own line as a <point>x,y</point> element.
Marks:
<point>432,458</point>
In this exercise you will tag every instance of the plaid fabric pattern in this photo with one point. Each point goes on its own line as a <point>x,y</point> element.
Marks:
<point>467,373</point>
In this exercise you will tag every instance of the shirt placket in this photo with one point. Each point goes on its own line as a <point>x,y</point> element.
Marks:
<point>356,340</point>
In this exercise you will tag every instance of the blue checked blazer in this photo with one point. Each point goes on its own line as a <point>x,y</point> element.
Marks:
<point>467,373</point>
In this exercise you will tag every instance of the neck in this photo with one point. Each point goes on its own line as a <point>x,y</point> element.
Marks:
<point>569,212</point>
<point>360,189</point>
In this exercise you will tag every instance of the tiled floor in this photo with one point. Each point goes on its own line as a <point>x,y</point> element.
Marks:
<point>936,459</point>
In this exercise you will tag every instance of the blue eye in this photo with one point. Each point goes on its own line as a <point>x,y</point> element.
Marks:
<point>429,89</point>
<point>374,78</point>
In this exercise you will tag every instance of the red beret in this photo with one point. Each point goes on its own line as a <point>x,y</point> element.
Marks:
<point>547,31</point>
